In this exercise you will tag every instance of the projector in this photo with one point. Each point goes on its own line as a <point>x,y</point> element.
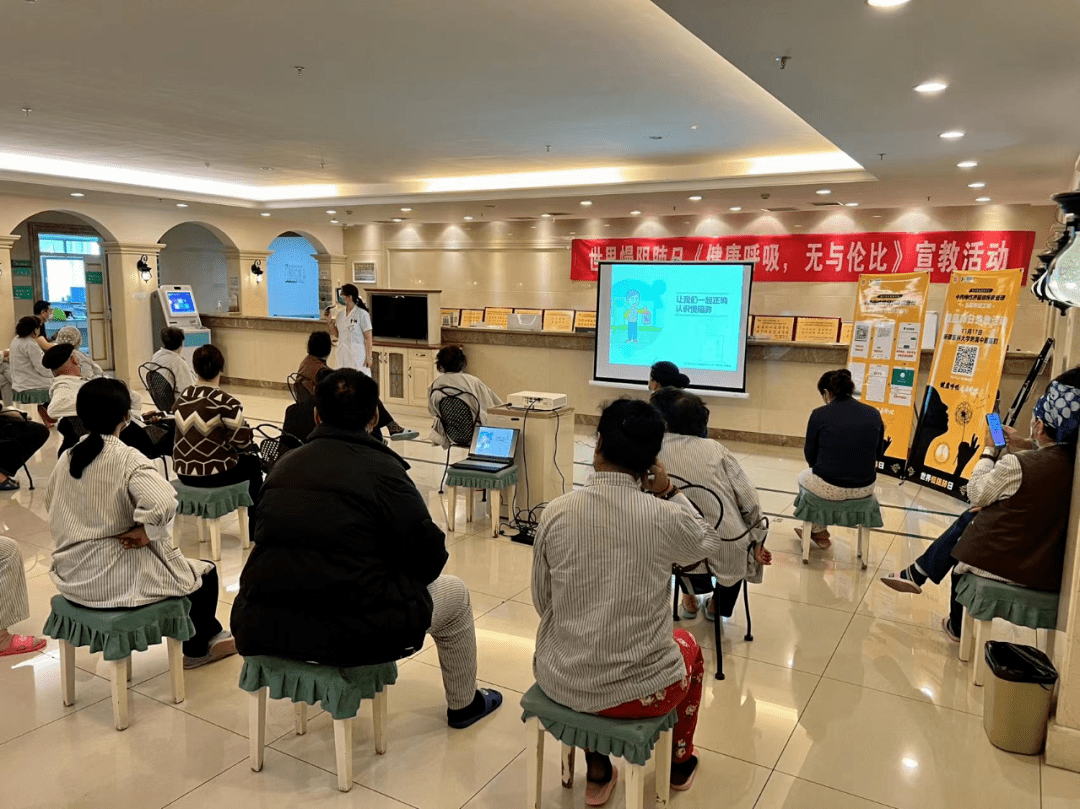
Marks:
<point>536,400</point>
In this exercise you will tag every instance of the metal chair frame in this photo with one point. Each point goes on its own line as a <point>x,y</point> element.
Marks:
<point>451,419</point>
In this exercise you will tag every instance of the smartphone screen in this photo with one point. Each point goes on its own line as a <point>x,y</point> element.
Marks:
<point>993,421</point>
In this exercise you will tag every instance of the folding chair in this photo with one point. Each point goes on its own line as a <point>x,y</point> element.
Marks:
<point>273,447</point>
<point>301,388</point>
<point>459,413</point>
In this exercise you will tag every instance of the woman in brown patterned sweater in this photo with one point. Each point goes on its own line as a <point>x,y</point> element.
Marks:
<point>213,442</point>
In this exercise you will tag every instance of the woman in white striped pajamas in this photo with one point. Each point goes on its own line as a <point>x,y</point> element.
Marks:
<point>14,604</point>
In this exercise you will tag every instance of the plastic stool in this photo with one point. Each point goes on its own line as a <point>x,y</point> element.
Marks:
<point>863,513</point>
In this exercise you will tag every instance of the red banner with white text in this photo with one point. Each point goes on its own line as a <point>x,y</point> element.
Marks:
<point>823,257</point>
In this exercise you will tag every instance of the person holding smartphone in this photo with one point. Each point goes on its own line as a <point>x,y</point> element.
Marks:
<point>352,328</point>
<point>1019,492</point>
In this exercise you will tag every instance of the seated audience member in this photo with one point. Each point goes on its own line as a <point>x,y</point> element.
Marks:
<point>87,367</point>
<point>25,354</point>
<point>64,361</point>
<point>666,374</point>
<point>364,586</point>
<point>601,583</point>
<point>844,439</point>
<point>14,602</point>
<point>5,377</point>
<point>1016,528</point>
<point>213,442</point>
<point>20,438</point>
<point>168,356</point>
<point>450,362</point>
<point>318,349</point>
<point>300,416</point>
<point>690,454</point>
<point>43,312</point>
<point>111,517</point>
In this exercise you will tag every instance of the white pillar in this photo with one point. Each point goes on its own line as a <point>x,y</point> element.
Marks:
<point>130,299</point>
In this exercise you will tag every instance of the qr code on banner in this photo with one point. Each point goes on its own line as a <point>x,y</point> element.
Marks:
<point>966,359</point>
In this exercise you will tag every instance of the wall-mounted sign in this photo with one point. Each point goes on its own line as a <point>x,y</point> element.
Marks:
<point>558,320</point>
<point>363,272</point>
<point>816,329</point>
<point>496,316</point>
<point>450,317</point>
<point>470,316</point>
<point>584,319</point>
<point>773,327</point>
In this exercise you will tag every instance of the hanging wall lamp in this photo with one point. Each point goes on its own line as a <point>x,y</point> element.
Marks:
<point>145,270</point>
<point>257,270</point>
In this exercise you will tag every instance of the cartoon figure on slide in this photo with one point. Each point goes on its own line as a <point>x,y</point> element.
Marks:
<point>634,312</point>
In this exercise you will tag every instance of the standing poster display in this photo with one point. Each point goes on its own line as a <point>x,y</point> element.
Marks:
<point>979,313</point>
<point>884,355</point>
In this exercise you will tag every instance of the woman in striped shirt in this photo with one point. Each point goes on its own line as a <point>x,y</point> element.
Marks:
<point>111,517</point>
<point>601,584</point>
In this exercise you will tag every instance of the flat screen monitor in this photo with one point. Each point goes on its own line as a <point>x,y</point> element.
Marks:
<point>694,314</point>
<point>401,317</point>
<point>181,303</point>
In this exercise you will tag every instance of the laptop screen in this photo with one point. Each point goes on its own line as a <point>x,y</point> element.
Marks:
<point>494,442</point>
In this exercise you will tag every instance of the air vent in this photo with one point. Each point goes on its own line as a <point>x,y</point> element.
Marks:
<point>780,210</point>
<point>521,218</point>
<point>827,204</point>
<point>386,222</point>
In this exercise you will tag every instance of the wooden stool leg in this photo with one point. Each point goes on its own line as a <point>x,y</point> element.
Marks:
<point>451,506</point>
<point>469,493</point>
<point>1051,637</point>
<point>343,735</point>
<point>511,504</point>
<point>807,527</point>
<point>967,637</point>
<point>378,716</point>
<point>662,755</point>
<point>257,728</point>
<point>118,675</point>
<point>200,525</point>
<point>493,507</point>
<point>242,517</point>
<point>300,710</point>
<point>215,539</point>
<point>979,668</point>
<point>864,545</point>
<point>176,669</point>
<point>67,672</point>
<point>635,786</point>
<point>567,759</point>
<point>534,763</point>
<point>127,672</point>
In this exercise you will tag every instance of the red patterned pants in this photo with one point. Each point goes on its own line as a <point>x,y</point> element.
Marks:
<point>684,695</point>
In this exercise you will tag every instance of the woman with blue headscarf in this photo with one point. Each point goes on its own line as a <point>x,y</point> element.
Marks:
<point>1015,530</point>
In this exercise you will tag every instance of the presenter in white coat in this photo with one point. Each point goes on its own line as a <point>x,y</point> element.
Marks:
<point>352,328</point>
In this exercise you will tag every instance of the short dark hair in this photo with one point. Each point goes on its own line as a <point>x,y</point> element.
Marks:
<point>57,356</point>
<point>451,360</point>
<point>631,434</point>
<point>839,383</point>
<point>683,413</point>
<point>40,307</point>
<point>318,344</point>
<point>347,399</point>
<point>27,326</point>
<point>667,375</point>
<point>208,361</point>
<point>172,338</point>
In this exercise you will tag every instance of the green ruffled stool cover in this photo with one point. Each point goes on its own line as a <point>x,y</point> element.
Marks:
<point>118,633</point>
<point>631,739</point>
<point>850,513</point>
<point>472,479</point>
<point>36,396</point>
<point>211,503</point>
<point>986,599</point>
<point>338,690</point>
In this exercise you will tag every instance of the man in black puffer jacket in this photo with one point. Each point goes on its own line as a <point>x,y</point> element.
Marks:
<point>345,570</point>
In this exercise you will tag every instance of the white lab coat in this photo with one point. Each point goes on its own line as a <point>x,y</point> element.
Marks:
<point>351,352</point>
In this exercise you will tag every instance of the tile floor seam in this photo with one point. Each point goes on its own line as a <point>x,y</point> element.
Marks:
<point>170,704</point>
<point>496,775</point>
<point>57,719</point>
<point>200,786</point>
<point>902,696</point>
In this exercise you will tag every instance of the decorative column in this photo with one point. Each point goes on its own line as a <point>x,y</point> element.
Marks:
<point>1063,734</point>
<point>7,298</point>
<point>130,298</point>
<point>251,293</point>
<point>332,269</point>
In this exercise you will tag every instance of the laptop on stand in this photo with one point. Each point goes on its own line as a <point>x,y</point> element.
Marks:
<point>492,449</point>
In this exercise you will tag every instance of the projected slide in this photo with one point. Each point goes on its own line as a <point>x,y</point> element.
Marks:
<point>691,314</point>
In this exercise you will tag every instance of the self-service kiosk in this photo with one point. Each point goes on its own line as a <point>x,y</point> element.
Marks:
<point>176,307</point>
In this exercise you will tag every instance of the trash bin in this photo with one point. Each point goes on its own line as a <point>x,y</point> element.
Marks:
<point>1017,700</point>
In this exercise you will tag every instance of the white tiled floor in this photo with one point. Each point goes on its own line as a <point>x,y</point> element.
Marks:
<point>849,696</point>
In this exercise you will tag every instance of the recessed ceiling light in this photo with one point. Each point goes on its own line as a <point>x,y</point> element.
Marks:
<point>267,168</point>
<point>967,164</point>
<point>585,203</point>
<point>824,192</point>
<point>264,213</point>
<point>635,213</point>
<point>406,210</point>
<point>331,212</point>
<point>798,226</point>
<point>607,224</point>
<point>930,87</point>
<point>77,194</point>
<point>694,198</point>
<point>397,219</point>
<point>976,185</point>
<point>885,3</point>
<point>735,208</point>
<point>877,216</point>
<point>982,199</point>
<point>545,216</point>
<point>467,218</point>
<point>852,204</point>
<point>334,222</point>
<point>952,134</point>
<point>573,233</point>
<point>181,205</point>
<point>693,126</point>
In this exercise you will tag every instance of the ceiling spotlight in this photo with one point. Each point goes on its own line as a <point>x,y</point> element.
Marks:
<point>693,126</point>
<point>885,3</point>
<point>397,219</point>
<point>695,198</point>
<point>545,216</point>
<point>952,134</point>
<point>467,218</point>
<point>331,212</point>
<point>607,224</point>
<point>335,222</point>
<point>982,199</point>
<point>406,210</point>
<point>930,87</point>
<point>735,208</point>
<point>585,203</point>
<point>77,194</point>
<point>967,164</point>
<point>635,213</point>
<point>264,213</point>
<point>267,168</point>
<point>181,205</point>
<point>976,185</point>
<point>852,204</point>
<point>823,192</point>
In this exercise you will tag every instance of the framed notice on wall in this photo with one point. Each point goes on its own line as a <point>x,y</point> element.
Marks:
<point>584,319</point>
<point>817,329</point>
<point>496,315</point>
<point>450,317</point>
<point>558,320</point>
<point>470,316</point>
<point>773,327</point>
<point>363,272</point>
